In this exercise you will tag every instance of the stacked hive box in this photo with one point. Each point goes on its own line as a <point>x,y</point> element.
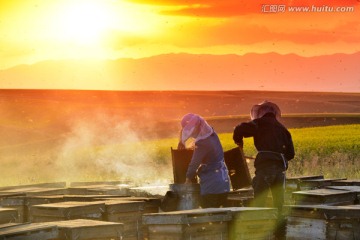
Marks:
<point>201,224</point>
<point>323,222</point>
<point>79,229</point>
<point>18,203</point>
<point>20,196</point>
<point>240,198</point>
<point>354,189</point>
<point>127,212</point>
<point>66,211</point>
<point>293,185</point>
<point>97,189</point>
<point>324,196</point>
<point>252,223</point>
<point>29,232</point>
<point>8,215</point>
<point>85,229</point>
<point>309,184</point>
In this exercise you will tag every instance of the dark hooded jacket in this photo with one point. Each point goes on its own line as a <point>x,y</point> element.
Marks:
<point>271,139</point>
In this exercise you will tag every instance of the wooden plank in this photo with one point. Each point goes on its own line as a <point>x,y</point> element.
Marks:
<point>252,213</point>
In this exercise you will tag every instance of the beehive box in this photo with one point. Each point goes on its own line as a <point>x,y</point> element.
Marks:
<point>29,232</point>
<point>109,190</point>
<point>348,182</point>
<point>292,184</point>
<point>77,184</point>
<point>200,224</point>
<point>67,211</point>
<point>252,223</point>
<point>152,204</point>
<point>85,229</point>
<point>324,196</point>
<point>37,185</point>
<point>240,198</point>
<point>354,189</point>
<point>37,200</point>
<point>127,212</point>
<point>37,191</point>
<point>309,184</point>
<point>88,198</point>
<point>18,203</point>
<point>84,189</point>
<point>8,215</point>
<point>305,222</point>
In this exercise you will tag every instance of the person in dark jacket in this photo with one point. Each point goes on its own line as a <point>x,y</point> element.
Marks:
<point>207,161</point>
<point>275,148</point>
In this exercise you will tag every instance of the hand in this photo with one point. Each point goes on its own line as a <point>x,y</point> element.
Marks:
<point>181,146</point>
<point>188,181</point>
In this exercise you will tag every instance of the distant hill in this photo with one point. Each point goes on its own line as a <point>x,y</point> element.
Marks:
<point>271,71</point>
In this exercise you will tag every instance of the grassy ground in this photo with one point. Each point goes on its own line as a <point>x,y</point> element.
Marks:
<point>332,151</point>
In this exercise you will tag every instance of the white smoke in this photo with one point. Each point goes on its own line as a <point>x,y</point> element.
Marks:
<point>102,147</point>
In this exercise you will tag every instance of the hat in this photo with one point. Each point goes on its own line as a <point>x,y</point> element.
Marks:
<point>259,110</point>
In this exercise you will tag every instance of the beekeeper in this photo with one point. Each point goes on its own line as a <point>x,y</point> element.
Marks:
<point>275,148</point>
<point>207,161</point>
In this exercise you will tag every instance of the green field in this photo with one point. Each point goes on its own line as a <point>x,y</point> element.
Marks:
<point>332,151</point>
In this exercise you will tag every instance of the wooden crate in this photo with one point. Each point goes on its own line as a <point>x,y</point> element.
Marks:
<point>252,223</point>
<point>324,196</point>
<point>67,211</point>
<point>308,222</point>
<point>8,215</point>
<point>240,198</point>
<point>201,224</point>
<point>84,189</point>
<point>309,184</point>
<point>88,198</point>
<point>127,212</point>
<point>119,190</point>
<point>29,232</point>
<point>18,203</point>
<point>37,191</point>
<point>292,184</point>
<point>37,185</point>
<point>122,183</point>
<point>152,204</point>
<point>85,229</point>
<point>354,189</point>
<point>348,182</point>
<point>37,200</point>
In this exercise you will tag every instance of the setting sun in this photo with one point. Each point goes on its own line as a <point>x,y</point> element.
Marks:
<point>84,22</point>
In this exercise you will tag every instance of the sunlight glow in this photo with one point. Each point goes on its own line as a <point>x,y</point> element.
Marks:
<point>83,22</point>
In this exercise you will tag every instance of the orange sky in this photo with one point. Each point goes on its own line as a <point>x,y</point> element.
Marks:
<point>38,30</point>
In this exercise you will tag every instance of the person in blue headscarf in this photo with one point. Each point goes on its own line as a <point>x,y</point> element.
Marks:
<point>207,161</point>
